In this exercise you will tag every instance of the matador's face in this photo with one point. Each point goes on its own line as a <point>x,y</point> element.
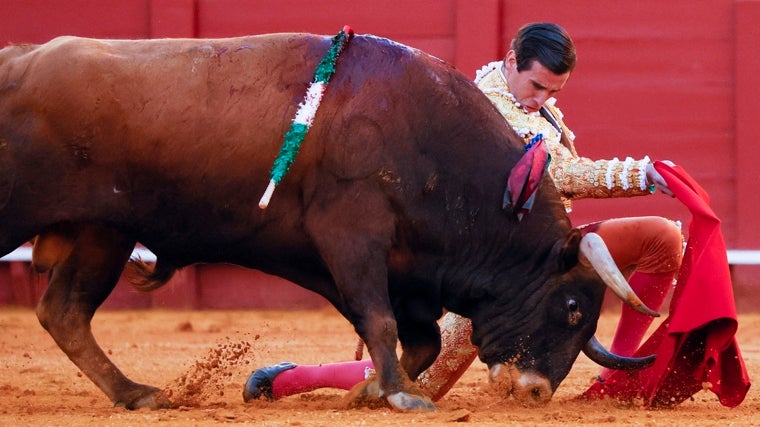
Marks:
<point>532,87</point>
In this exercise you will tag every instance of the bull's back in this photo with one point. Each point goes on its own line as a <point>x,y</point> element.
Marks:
<point>123,130</point>
<point>152,135</point>
<point>169,136</point>
<point>181,107</point>
<point>169,92</point>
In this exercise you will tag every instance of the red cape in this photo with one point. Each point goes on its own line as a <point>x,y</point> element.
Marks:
<point>695,346</point>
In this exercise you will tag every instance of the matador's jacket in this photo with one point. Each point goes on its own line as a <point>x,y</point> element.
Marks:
<point>575,177</point>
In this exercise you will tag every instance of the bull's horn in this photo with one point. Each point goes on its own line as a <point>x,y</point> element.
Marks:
<point>595,351</point>
<point>594,249</point>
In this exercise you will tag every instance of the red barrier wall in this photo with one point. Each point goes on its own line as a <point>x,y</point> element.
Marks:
<point>746,156</point>
<point>673,80</point>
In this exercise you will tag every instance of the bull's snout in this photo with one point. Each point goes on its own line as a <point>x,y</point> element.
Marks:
<point>532,389</point>
<point>529,388</point>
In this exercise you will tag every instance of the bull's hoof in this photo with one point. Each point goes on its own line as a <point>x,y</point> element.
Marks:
<point>153,401</point>
<point>408,402</point>
<point>260,382</point>
<point>368,394</point>
<point>145,397</point>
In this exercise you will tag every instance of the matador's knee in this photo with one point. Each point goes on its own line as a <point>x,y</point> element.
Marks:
<point>663,249</point>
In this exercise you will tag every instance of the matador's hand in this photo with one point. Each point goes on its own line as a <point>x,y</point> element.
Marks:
<point>654,178</point>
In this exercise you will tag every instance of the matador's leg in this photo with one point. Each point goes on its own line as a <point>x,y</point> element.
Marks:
<point>652,248</point>
<point>457,354</point>
<point>285,379</point>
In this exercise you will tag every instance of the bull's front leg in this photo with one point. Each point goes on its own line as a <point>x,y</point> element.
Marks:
<point>363,299</point>
<point>355,251</point>
<point>391,382</point>
<point>85,265</point>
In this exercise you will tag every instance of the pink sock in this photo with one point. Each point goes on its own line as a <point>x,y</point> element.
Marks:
<point>304,378</point>
<point>652,288</point>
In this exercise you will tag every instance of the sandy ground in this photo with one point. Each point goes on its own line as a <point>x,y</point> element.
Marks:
<point>204,357</point>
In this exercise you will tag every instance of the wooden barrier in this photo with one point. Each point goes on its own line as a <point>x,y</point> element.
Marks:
<point>674,83</point>
<point>200,286</point>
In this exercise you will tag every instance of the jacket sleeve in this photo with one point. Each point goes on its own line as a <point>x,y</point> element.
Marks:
<point>579,177</point>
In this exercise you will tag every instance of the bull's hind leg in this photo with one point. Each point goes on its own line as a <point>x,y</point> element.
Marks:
<point>85,264</point>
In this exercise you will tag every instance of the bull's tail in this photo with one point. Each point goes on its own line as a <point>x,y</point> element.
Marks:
<point>146,277</point>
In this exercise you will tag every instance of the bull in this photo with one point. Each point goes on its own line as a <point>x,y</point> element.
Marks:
<point>392,210</point>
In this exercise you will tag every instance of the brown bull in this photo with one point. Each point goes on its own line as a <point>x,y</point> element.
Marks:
<point>392,210</point>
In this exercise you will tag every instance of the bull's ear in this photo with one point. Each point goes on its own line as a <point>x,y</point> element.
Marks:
<point>569,250</point>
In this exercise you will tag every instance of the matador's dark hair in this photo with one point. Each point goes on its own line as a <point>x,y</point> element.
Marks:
<point>547,43</point>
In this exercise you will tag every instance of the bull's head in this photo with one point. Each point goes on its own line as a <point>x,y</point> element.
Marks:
<point>540,349</point>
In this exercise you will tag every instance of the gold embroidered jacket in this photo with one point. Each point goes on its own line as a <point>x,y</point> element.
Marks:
<point>575,177</point>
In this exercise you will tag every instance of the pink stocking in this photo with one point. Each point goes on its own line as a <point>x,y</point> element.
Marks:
<point>456,356</point>
<point>457,353</point>
<point>304,378</point>
<point>652,288</point>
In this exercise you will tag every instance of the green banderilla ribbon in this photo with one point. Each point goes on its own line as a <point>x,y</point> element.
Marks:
<point>305,113</point>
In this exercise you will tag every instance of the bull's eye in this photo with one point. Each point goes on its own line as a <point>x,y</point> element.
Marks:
<point>574,312</point>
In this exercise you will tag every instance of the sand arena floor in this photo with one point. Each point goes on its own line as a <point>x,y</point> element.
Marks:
<point>204,357</point>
